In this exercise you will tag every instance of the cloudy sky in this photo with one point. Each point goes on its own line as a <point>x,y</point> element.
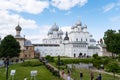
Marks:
<point>37,16</point>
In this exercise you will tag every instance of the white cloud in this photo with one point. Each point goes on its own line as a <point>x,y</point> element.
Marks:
<point>68,4</point>
<point>108,7</point>
<point>53,10</point>
<point>41,33</point>
<point>29,6</point>
<point>8,22</point>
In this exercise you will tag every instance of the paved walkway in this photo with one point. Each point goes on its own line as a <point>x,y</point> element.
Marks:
<point>64,76</point>
<point>102,71</point>
<point>95,70</point>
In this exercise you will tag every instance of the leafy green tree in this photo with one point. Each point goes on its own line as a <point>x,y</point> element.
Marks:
<point>95,56</point>
<point>113,67</point>
<point>112,41</point>
<point>9,47</point>
<point>49,58</point>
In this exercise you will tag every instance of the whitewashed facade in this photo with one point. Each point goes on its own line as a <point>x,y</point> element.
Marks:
<point>75,43</point>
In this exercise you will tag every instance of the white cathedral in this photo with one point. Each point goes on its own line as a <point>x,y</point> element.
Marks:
<point>78,42</point>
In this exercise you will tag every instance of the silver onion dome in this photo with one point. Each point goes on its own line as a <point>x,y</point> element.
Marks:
<point>18,28</point>
<point>85,26</point>
<point>74,26</point>
<point>78,23</point>
<point>91,36</point>
<point>50,32</point>
<point>55,27</point>
<point>60,32</point>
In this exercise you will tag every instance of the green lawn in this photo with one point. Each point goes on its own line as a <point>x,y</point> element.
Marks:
<point>21,72</point>
<point>86,73</point>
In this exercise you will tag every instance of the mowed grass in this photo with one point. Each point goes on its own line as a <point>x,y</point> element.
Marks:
<point>86,75</point>
<point>21,72</point>
<point>75,73</point>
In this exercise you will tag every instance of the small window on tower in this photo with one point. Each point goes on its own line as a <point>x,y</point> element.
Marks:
<point>76,39</point>
<point>81,39</point>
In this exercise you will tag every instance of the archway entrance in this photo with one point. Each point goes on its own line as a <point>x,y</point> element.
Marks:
<point>80,55</point>
<point>74,55</point>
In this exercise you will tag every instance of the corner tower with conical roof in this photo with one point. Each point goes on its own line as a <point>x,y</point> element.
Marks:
<point>18,29</point>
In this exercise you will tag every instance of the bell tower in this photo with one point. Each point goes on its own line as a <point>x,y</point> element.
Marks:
<point>18,29</point>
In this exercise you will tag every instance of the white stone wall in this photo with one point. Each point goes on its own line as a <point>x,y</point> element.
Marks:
<point>21,42</point>
<point>50,50</point>
<point>94,51</point>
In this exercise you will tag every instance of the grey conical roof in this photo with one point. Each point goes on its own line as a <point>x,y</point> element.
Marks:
<point>28,43</point>
<point>66,36</point>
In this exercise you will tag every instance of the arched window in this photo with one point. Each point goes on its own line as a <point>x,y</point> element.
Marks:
<point>76,39</point>
<point>81,39</point>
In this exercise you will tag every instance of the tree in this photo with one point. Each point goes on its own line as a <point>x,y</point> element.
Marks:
<point>9,47</point>
<point>113,67</point>
<point>112,41</point>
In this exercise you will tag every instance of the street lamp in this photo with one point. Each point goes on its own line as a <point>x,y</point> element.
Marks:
<point>7,64</point>
<point>58,66</point>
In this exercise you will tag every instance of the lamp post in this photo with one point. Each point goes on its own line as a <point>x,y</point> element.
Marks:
<point>58,66</point>
<point>7,64</point>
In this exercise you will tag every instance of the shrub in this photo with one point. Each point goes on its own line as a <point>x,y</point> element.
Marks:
<point>106,60</point>
<point>113,67</point>
<point>31,63</point>
<point>49,58</point>
<point>60,63</point>
<point>97,63</point>
<point>95,56</point>
<point>119,57</point>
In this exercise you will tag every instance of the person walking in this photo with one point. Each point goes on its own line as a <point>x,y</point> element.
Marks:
<point>91,75</point>
<point>63,72</point>
<point>99,77</point>
<point>68,75</point>
<point>81,75</point>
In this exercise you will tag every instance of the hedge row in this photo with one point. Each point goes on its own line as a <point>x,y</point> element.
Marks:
<point>75,61</point>
<point>54,72</point>
<point>49,67</point>
<point>31,63</point>
<point>95,61</point>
